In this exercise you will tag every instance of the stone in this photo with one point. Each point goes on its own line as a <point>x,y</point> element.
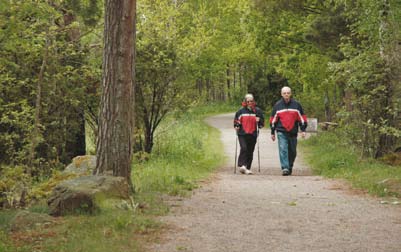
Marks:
<point>87,194</point>
<point>82,165</point>
<point>312,125</point>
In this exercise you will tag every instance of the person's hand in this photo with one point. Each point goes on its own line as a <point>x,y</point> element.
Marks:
<point>273,137</point>
<point>303,134</point>
<point>257,119</point>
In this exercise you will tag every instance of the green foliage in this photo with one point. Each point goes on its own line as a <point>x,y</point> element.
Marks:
<point>342,60</point>
<point>89,10</point>
<point>185,151</point>
<point>340,57</point>
<point>110,231</point>
<point>42,51</point>
<point>42,189</point>
<point>368,71</point>
<point>16,183</point>
<point>13,182</point>
<point>331,155</point>
<point>157,89</point>
<point>217,49</point>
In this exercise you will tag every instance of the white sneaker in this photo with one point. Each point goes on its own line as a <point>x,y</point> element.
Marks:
<point>242,169</point>
<point>249,172</point>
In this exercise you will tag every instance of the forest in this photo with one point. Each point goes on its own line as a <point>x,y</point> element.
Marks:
<point>340,57</point>
<point>128,84</point>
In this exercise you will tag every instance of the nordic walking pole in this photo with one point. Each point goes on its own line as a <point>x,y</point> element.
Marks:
<point>235,159</point>
<point>257,139</point>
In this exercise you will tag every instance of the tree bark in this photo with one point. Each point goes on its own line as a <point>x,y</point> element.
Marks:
<point>228,81</point>
<point>116,122</point>
<point>38,105</point>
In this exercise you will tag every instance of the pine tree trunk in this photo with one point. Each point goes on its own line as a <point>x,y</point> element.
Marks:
<point>115,139</point>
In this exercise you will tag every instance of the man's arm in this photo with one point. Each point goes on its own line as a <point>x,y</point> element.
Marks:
<point>273,121</point>
<point>303,119</point>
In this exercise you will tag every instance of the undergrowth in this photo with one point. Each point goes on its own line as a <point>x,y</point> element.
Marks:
<point>330,155</point>
<point>186,150</point>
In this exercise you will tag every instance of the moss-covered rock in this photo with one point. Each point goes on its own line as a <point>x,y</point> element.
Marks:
<point>87,194</point>
<point>82,165</point>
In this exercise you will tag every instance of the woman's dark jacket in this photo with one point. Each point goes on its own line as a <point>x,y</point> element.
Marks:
<point>245,120</point>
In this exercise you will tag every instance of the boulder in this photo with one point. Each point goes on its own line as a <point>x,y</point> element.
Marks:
<point>88,194</point>
<point>82,165</point>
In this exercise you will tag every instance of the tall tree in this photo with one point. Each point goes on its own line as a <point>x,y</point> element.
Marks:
<point>116,118</point>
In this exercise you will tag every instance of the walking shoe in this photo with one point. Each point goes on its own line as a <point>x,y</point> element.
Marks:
<point>242,169</point>
<point>286,172</point>
<point>248,172</point>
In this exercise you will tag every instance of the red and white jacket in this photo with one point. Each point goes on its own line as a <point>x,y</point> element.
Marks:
<point>245,120</point>
<point>287,117</point>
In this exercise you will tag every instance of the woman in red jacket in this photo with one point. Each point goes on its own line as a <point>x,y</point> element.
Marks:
<point>247,120</point>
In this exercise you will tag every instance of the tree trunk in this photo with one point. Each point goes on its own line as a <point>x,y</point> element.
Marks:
<point>234,77</point>
<point>228,82</point>
<point>148,139</point>
<point>240,77</point>
<point>115,139</point>
<point>386,141</point>
<point>199,86</point>
<point>327,109</point>
<point>38,105</point>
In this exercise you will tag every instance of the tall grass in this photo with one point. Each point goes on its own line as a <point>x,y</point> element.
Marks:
<point>186,150</point>
<point>331,155</point>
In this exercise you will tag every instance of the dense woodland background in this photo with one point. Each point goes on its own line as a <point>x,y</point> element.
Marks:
<point>340,57</point>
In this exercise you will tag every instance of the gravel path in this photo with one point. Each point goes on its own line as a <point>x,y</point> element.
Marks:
<point>269,212</point>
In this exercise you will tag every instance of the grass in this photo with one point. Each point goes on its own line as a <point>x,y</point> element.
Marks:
<point>109,231</point>
<point>185,152</point>
<point>331,156</point>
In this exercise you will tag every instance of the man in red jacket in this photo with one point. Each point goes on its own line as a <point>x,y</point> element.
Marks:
<point>247,120</point>
<point>287,116</point>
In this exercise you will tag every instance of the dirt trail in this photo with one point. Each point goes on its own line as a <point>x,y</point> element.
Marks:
<point>269,212</point>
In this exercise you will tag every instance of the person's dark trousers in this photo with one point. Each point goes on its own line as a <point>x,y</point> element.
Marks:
<point>247,144</point>
<point>287,146</point>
